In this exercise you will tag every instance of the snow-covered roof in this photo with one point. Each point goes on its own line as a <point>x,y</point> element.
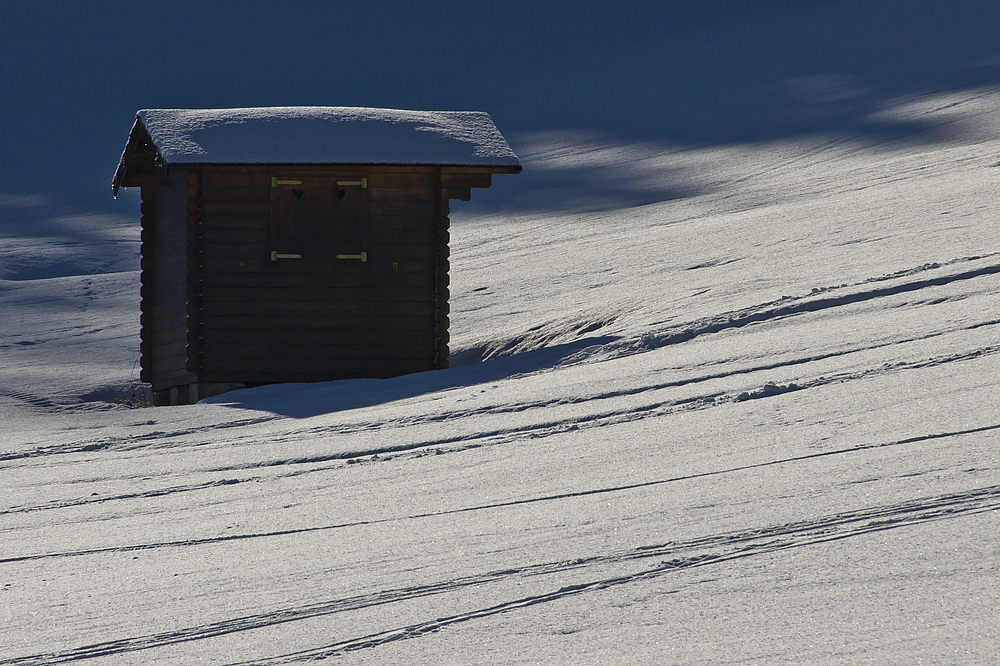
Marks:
<point>318,135</point>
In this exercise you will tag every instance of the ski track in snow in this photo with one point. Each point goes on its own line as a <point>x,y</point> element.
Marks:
<point>704,551</point>
<point>496,505</point>
<point>633,412</point>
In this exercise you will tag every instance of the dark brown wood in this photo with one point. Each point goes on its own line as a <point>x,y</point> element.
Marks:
<point>405,183</point>
<point>398,252</point>
<point>217,309</point>
<point>240,208</point>
<point>172,255</point>
<point>219,194</point>
<point>164,279</point>
<point>171,351</point>
<point>281,370</point>
<point>229,237</point>
<point>401,194</point>
<point>424,224</point>
<point>236,222</point>
<point>167,322</point>
<point>317,340</point>
<point>404,210</point>
<point>460,193</point>
<point>236,249</point>
<point>298,280</point>
<point>376,264</point>
<point>171,260</point>
<point>333,351</point>
<point>259,177</point>
<point>292,308</point>
<point>164,378</point>
<point>213,294</point>
<point>170,364</point>
<point>466,180</point>
<point>140,180</point>
<point>320,322</point>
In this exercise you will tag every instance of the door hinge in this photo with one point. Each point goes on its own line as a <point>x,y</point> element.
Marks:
<point>278,181</point>
<point>363,182</point>
<point>363,256</point>
<point>278,255</point>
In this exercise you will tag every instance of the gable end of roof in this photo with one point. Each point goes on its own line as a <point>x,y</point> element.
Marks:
<point>141,156</point>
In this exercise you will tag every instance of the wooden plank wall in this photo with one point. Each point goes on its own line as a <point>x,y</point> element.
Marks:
<point>264,321</point>
<point>165,263</point>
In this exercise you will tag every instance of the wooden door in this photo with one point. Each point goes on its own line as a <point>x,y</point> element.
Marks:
<point>318,222</point>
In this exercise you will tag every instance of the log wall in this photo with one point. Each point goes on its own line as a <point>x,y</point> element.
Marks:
<point>219,309</point>
<point>268,321</point>
<point>165,312</point>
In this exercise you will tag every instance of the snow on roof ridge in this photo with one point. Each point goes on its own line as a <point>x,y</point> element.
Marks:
<point>326,134</point>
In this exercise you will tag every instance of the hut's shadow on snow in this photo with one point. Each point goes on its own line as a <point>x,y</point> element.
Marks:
<point>307,400</point>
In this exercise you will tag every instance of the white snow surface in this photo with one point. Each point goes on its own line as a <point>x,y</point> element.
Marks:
<point>326,135</point>
<point>755,422</point>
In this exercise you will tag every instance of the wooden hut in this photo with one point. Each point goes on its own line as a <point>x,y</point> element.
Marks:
<point>298,244</point>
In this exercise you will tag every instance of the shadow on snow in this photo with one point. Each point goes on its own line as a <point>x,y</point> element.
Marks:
<point>307,400</point>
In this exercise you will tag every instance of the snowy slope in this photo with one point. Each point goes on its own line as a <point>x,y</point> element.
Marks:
<point>754,421</point>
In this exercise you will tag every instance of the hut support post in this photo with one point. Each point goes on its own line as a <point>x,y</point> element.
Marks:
<point>187,394</point>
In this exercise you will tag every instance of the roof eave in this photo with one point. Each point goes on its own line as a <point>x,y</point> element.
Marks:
<point>137,137</point>
<point>506,168</point>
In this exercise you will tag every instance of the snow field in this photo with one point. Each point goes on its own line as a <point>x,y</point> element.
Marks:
<point>756,423</point>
